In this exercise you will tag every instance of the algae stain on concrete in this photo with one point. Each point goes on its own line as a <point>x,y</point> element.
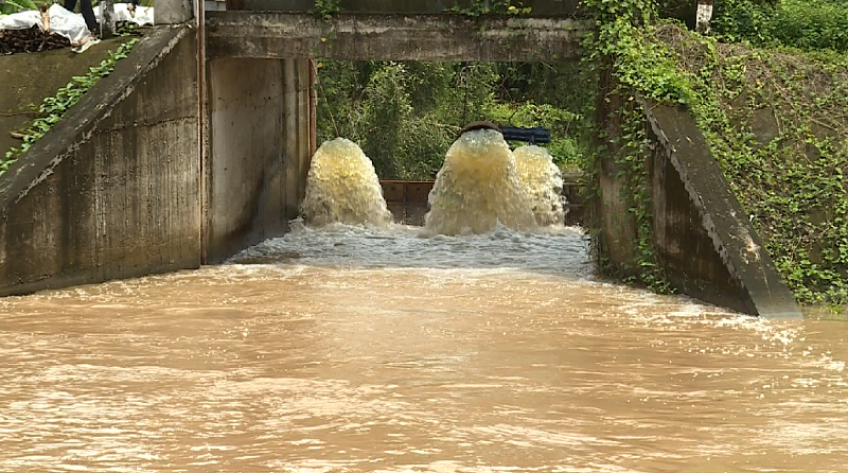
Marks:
<point>29,78</point>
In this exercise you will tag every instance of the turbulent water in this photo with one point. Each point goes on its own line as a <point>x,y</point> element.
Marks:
<point>478,188</point>
<point>543,180</point>
<point>357,349</point>
<point>385,348</point>
<point>342,187</point>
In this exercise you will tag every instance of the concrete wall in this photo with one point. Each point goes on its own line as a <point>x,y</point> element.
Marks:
<point>169,12</point>
<point>112,191</point>
<point>28,78</point>
<point>703,239</point>
<point>261,138</point>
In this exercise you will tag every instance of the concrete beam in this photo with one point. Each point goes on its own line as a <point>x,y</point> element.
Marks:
<point>393,37</point>
<point>545,8</point>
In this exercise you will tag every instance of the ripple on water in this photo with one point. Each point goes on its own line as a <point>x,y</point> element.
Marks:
<point>355,349</point>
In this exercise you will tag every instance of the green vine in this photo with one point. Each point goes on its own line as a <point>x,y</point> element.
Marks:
<point>790,173</point>
<point>478,8</point>
<point>616,47</point>
<point>52,109</point>
<point>327,9</point>
<point>790,178</point>
<point>632,162</point>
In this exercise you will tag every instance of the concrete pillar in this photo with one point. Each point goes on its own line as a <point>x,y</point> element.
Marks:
<point>169,12</point>
<point>260,140</point>
<point>107,22</point>
<point>704,15</point>
<point>618,238</point>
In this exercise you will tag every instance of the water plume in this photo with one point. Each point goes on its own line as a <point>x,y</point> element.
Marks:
<point>543,180</point>
<point>342,187</point>
<point>478,188</point>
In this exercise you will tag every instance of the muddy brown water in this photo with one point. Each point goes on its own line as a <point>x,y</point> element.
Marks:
<point>350,350</point>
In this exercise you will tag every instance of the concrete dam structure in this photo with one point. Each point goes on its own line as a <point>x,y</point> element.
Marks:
<point>198,146</point>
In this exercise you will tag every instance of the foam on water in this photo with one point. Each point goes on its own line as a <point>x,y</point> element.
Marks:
<point>478,188</point>
<point>543,180</point>
<point>560,251</point>
<point>342,187</point>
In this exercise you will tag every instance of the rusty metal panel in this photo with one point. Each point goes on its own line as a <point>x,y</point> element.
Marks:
<point>418,192</point>
<point>408,200</point>
<point>394,191</point>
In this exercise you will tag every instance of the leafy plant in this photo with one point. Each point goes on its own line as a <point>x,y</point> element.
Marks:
<point>803,24</point>
<point>777,123</point>
<point>327,9</point>
<point>52,109</point>
<point>15,6</point>
<point>479,8</point>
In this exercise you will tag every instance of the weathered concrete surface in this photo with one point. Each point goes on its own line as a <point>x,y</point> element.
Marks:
<point>392,37</point>
<point>29,78</point>
<point>171,12</point>
<point>112,191</point>
<point>609,211</point>
<point>704,240</point>
<point>262,122</point>
<point>538,7</point>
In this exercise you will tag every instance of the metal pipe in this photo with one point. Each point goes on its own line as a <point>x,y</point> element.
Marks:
<point>199,15</point>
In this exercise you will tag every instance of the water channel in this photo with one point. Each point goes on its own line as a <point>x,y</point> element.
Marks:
<point>385,349</point>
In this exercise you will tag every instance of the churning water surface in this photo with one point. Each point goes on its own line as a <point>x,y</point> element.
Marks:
<point>381,349</point>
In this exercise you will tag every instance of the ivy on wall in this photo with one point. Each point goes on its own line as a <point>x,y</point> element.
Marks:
<point>777,122</point>
<point>617,50</point>
<point>789,174</point>
<point>479,8</point>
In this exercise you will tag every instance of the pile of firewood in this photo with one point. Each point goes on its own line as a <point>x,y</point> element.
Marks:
<point>30,41</point>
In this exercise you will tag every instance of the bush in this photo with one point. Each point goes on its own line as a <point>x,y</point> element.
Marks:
<point>803,24</point>
<point>405,115</point>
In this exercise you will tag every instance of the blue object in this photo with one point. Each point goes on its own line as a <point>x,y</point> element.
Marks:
<point>529,135</point>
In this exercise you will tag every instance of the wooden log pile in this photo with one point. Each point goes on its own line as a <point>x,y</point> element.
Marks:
<point>34,39</point>
<point>30,41</point>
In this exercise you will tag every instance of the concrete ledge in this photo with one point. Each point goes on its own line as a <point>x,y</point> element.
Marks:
<point>393,37</point>
<point>704,240</point>
<point>416,7</point>
<point>112,190</point>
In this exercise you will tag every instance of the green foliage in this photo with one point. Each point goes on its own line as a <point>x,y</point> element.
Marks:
<point>567,150</point>
<point>52,109</point>
<point>15,6</point>
<point>406,115</point>
<point>792,184</point>
<point>802,24</point>
<point>326,9</point>
<point>479,8</point>
<point>618,47</point>
<point>778,124</point>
